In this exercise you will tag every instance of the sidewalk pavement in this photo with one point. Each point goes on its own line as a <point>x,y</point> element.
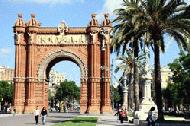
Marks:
<point>53,118</point>
<point>28,119</point>
<point>8,115</point>
<point>110,120</point>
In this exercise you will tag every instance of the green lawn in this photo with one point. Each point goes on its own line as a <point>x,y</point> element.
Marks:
<point>79,121</point>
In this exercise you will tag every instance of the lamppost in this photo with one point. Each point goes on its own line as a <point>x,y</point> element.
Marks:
<point>125,92</point>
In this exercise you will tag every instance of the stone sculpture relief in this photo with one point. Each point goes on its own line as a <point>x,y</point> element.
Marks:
<point>62,39</point>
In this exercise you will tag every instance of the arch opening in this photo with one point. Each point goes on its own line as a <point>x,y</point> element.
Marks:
<point>60,80</point>
<point>56,57</point>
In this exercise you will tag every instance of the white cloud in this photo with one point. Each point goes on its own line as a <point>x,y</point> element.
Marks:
<point>47,1</point>
<point>5,52</point>
<point>108,7</point>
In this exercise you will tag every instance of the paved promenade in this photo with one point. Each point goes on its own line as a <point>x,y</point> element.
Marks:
<point>53,118</point>
<point>111,121</point>
<point>28,120</point>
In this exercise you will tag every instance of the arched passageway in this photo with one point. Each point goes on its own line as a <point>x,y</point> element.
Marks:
<point>39,48</point>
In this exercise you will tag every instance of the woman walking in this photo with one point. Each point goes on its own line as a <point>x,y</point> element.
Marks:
<point>44,114</point>
<point>36,114</point>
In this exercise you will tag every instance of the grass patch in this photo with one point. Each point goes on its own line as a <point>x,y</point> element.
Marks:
<point>79,121</point>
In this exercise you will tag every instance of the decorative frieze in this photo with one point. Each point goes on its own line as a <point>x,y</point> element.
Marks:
<point>62,39</point>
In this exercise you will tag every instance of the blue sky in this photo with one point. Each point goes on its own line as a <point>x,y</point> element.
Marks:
<point>51,13</point>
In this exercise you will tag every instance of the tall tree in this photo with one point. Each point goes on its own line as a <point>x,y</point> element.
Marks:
<point>67,91</point>
<point>150,20</point>
<point>126,67</point>
<point>116,98</point>
<point>181,80</point>
<point>124,37</point>
<point>6,91</point>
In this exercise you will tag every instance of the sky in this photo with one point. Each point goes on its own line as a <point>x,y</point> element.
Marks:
<point>75,13</point>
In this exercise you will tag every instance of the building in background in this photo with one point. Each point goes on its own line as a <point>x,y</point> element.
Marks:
<point>166,76</point>
<point>6,74</point>
<point>55,78</point>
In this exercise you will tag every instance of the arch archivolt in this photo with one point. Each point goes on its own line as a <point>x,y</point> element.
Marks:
<point>64,54</point>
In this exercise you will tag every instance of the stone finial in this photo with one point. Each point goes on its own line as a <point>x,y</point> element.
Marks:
<point>19,15</point>
<point>33,21</point>
<point>94,21</point>
<point>62,28</point>
<point>33,15</point>
<point>106,21</point>
<point>19,21</point>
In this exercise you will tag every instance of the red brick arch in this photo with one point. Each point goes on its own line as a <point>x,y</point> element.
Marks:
<point>61,55</point>
<point>39,48</point>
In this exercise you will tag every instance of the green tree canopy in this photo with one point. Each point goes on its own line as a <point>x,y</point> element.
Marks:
<point>180,88</point>
<point>67,90</point>
<point>6,91</point>
<point>115,94</point>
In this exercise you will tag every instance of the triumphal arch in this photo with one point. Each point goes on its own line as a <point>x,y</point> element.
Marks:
<point>39,48</point>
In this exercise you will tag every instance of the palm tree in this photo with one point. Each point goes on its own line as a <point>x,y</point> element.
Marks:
<point>125,36</point>
<point>126,67</point>
<point>150,20</point>
<point>135,46</point>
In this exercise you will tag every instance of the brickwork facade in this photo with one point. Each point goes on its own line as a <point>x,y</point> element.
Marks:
<point>39,48</point>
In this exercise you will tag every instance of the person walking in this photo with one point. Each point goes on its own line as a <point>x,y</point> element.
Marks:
<point>44,114</point>
<point>36,115</point>
<point>14,111</point>
<point>151,117</point>
<point>122,115</point>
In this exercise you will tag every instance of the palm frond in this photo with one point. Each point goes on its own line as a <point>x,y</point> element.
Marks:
<point>162,45</point>
<point>180,39</point>
<point>169,9</point>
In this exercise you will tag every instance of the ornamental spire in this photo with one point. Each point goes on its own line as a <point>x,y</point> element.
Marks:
<point>33,21</point>
<point>94,21</point>
<point>19,21</point>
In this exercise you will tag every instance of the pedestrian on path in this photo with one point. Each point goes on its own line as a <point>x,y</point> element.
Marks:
<point>14,111</point>
<point>44,114</point>
<point>36,115</point>
<point>150,118</point>
<point>122,115</point>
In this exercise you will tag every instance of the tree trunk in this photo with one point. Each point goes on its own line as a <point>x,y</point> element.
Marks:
<point>130,91</point>
<point>136,86</point>
<point>157,79</point>
<point>136,77</point>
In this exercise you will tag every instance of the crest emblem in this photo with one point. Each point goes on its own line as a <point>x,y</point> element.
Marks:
<point>62,28</point>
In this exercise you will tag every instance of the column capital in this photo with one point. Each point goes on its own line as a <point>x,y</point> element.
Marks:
<point>94,79</point>
<point>19,79</point>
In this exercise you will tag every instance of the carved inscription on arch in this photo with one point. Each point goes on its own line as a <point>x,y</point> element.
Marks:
<point>62,39</point>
